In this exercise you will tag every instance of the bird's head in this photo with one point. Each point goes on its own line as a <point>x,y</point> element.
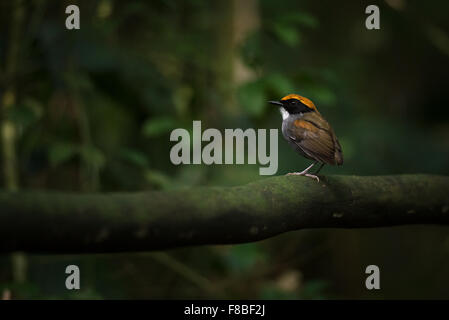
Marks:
<point>294,104</point>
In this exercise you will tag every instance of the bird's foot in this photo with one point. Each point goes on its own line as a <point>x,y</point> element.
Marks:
<point>313,177</point>
<point>305,174</point>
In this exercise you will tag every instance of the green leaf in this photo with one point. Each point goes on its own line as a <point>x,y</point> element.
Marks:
<point>323,94</point>
<point>242,258</point>
<point>93,156</point>
<point>78,80</point>
<point>135,157</point>
<point>287,33</point>
<point>61,152</point>
<point>158,178</point>
<point>279,84</point>
<point>181,99</point>
<point>251,50</point>
<point>252,98</point>
<point>302,18</point>
<point>157,126</point>
<point>26,113</point>
<point>314,289</point>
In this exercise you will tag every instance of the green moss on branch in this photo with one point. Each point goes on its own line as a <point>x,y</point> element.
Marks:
<point>118,222</point>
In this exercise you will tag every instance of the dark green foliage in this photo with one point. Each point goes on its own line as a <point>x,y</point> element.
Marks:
<point>94,109</point>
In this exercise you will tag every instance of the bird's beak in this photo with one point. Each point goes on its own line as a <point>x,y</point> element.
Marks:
<point>276,103</point>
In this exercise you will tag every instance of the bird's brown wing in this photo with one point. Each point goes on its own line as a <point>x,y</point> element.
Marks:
<point>314,136</point>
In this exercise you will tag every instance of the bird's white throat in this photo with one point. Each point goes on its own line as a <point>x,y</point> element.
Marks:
<point>284,113</point>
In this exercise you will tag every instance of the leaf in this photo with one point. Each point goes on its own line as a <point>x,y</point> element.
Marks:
<point>242,258</point>
<point>251,97</point>
<point>322,94</point>
<point>93,156</point>
<point>287,33</point>
<point>157,126</point>
<point>279,84</point>
<point>26,113</point>
<point>61,152</point>
<point>135,157</point>
<point>158,178</point>
<point>251,51</point>
<point>314,289</point>
<point>303,18</point>
<point>181,99</point>
<point>78,80</point>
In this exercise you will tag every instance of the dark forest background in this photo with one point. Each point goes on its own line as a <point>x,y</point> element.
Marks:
<point>91,110</point>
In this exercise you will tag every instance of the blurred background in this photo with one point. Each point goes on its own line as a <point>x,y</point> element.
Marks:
<point>91,110</point>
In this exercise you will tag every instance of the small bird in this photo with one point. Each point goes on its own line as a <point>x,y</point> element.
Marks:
<point>308,133</point>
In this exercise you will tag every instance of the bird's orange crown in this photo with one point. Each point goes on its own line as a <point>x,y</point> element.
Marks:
<point>304,100</point>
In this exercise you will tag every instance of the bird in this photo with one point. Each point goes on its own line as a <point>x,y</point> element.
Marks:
<point>308,133</point>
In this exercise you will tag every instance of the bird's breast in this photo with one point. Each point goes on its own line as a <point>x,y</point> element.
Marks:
<point>288,123</point>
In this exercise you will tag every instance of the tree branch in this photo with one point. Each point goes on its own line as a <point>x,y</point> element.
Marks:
<point>117,222</point>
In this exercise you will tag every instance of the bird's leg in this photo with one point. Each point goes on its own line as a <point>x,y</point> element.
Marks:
<point>304,173</point>
<point>322,165</point>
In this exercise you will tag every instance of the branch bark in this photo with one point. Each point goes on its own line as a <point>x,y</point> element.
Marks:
<point>143,221</point>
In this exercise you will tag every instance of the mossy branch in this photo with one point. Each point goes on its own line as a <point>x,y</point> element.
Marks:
<point>144,221</point>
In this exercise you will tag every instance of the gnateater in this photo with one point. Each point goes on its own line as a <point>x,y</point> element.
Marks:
<point>308,133</point>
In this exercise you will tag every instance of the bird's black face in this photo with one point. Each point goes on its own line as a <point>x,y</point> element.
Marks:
<point>293,106</point>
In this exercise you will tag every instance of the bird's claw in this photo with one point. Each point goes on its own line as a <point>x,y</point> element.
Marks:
<point>304,174</point>
<point>313,177</point>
